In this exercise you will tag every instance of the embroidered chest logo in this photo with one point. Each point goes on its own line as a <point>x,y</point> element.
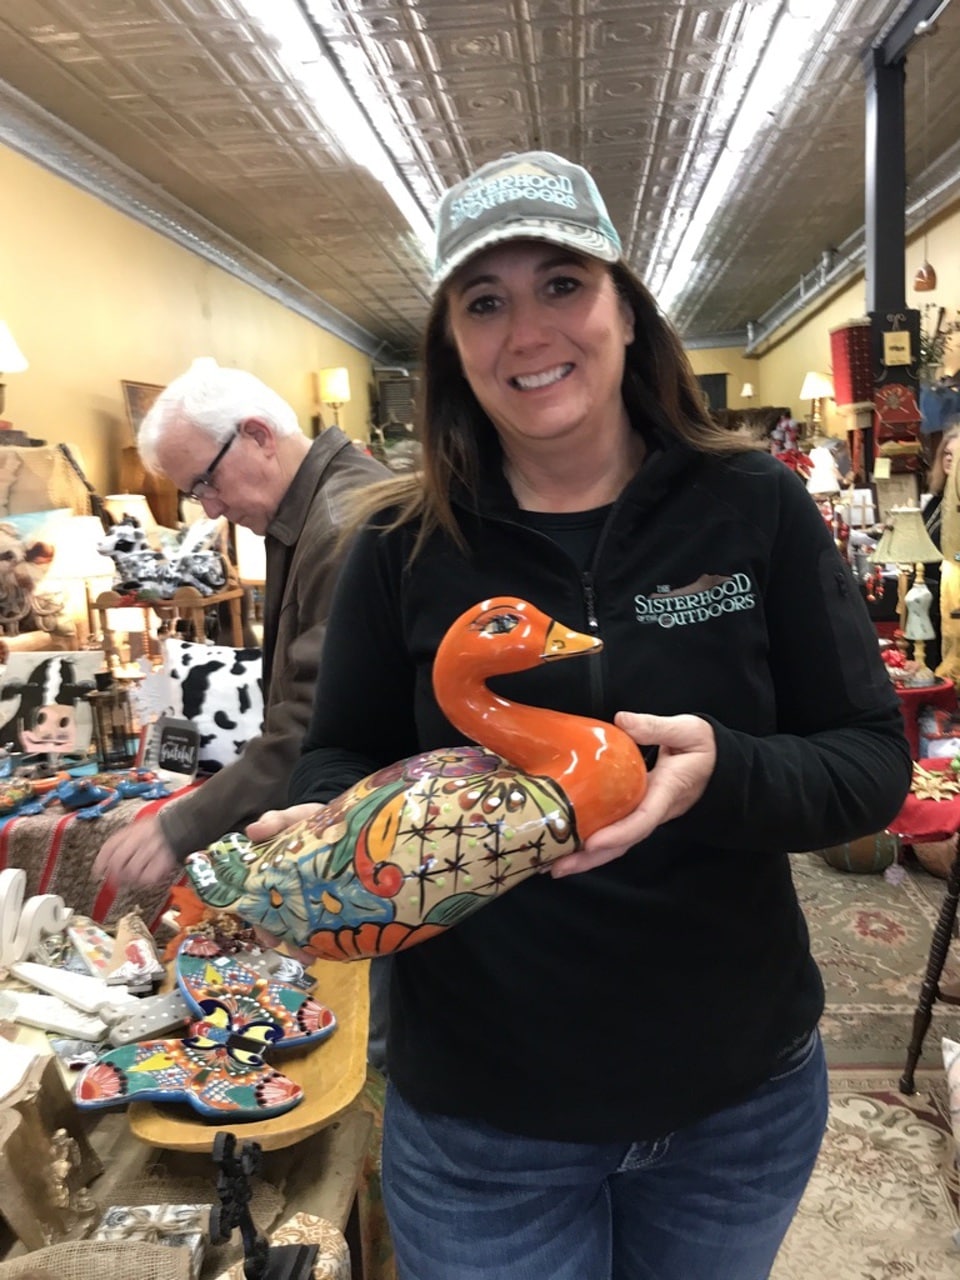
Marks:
<point>712,595</point>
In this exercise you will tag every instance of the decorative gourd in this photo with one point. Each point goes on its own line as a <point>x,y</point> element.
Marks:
<point>414,848</point>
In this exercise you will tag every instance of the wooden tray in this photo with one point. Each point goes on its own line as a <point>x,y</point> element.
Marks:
<point>331,1075</point>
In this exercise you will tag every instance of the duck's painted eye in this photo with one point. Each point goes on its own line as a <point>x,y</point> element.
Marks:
<point>502,623</point>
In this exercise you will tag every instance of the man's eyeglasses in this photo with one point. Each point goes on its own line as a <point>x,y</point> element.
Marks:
<point>203,486</point>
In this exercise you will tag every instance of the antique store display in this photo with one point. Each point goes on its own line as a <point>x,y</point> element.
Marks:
<point>239,1014</point>
<point>416,847</point>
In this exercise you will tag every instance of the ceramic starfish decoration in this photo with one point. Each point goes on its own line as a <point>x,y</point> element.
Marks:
<point>219,1068</point>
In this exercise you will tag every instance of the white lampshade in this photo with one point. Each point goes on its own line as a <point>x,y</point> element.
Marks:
<point>825,477</point>
<point>12,359</point>
<point>77,556</point>
<point>131,504</point>
<point>816,386</point>
<point>334,386</point>
<point>746,391</point>
<point>251,555</point>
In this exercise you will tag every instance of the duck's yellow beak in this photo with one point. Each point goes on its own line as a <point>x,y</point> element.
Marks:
<point>561,642</point>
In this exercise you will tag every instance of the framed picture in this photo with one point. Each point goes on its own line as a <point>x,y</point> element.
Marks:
<point>138,398</point>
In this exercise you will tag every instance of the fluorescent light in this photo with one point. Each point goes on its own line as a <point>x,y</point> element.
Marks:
<point>295,46</point>
<point>791,38</point>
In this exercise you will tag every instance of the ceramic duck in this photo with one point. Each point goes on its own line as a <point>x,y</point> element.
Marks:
<point>414,848</point>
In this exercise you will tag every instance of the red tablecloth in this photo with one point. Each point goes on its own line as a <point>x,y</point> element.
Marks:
<point>923,821</point>
<point>57,850</point>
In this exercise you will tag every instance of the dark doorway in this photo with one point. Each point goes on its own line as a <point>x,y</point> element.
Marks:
<point>714,388</point>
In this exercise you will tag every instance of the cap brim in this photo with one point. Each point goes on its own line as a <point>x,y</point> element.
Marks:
<point>592,244</point>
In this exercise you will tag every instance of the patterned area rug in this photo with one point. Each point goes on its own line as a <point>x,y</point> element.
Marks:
<point>882,1202</point>
<point>871,940</point>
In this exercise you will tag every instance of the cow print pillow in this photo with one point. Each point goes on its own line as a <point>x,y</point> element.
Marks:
<point>221,691</point>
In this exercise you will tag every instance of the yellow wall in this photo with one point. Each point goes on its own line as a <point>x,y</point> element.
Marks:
<point>93,297</point>
<point>731,361</point>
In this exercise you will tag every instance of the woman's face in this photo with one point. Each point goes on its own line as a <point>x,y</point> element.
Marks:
<point>541,333</point>
<point>949,452</point>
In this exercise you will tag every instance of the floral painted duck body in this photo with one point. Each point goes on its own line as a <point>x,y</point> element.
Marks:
<point>416,847</point>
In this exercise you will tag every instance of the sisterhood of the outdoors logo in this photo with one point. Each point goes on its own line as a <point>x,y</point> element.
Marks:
<point>711,596</point>
<point>548,187</point>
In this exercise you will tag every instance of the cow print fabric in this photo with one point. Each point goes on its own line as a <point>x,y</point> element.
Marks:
<point>221,690</point>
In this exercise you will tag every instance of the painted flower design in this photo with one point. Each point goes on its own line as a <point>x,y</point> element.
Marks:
<point>313,1016</point>
<point>101,1082</point>
<point>459,762</point>
<point>275,1090</point>
<point>498,794</point>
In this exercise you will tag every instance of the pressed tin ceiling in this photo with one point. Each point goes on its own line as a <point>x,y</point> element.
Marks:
<point>185,113</point>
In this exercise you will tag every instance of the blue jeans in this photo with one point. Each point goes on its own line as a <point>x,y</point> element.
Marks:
<point>710,1202</point>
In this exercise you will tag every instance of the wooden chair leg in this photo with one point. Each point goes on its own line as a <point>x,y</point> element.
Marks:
<point>930,988</point>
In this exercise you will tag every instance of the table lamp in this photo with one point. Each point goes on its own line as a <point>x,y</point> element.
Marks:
<point>12,359</point>
<point>131,504</point>
<point>816,387</point>
<point>906,543</point>
<point>80,571</point>
<point>335,390</point>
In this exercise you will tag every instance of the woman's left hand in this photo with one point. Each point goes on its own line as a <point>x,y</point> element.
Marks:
<point>685,763</point>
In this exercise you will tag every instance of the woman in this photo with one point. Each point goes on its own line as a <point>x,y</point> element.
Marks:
<point>940,468</point>
<point>613,1073</point>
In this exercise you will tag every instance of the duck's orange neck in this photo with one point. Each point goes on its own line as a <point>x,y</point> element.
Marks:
<point>599,768</point>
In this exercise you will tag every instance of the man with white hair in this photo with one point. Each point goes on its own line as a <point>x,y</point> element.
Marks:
<point>226,439</point>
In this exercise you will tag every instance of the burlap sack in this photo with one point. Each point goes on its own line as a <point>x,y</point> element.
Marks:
<point>100,1260</point>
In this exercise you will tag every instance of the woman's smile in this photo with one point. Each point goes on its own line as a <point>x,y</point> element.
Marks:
<point>534,381</point>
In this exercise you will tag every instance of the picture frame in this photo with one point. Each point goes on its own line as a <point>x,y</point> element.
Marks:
<point>138,398</point>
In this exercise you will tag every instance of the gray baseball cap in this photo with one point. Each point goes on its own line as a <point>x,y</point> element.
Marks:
<point>531,196</point>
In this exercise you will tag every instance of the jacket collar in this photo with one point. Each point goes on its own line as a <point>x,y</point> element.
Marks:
<point>288,521</point>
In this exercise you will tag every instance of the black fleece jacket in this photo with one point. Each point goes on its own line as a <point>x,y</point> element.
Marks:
<point>636,998</point>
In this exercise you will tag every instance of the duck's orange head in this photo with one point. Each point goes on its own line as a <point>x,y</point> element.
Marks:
<point>505,634</point>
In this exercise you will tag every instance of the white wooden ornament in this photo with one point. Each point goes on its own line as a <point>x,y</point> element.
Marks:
<point>50,1014</point>
<point>79,989</point>
<point>24,923</point>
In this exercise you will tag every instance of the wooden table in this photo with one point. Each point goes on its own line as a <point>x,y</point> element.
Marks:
<point>314,1153</point>
<point>186,602</point>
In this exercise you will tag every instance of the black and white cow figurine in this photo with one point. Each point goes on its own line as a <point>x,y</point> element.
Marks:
<point>138,567</point>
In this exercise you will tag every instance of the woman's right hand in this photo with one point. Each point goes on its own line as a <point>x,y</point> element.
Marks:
<point>276,820</point>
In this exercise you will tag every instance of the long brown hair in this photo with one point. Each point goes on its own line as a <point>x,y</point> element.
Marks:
<point>659,387</point>
<point>937,479</point>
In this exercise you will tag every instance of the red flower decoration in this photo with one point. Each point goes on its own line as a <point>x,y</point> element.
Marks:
<point>102,1080</point>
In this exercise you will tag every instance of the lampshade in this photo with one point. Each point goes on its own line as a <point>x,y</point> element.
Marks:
<point>251,555</point>
<point>825,476</point>
<point>77,555</point>
<point>746,391</point>
<point>905,539</point>
<point>925,280</point>
<point>816,386</point>
<point>334,386</point>
<point>131,504</point>
<point>12,359</point>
